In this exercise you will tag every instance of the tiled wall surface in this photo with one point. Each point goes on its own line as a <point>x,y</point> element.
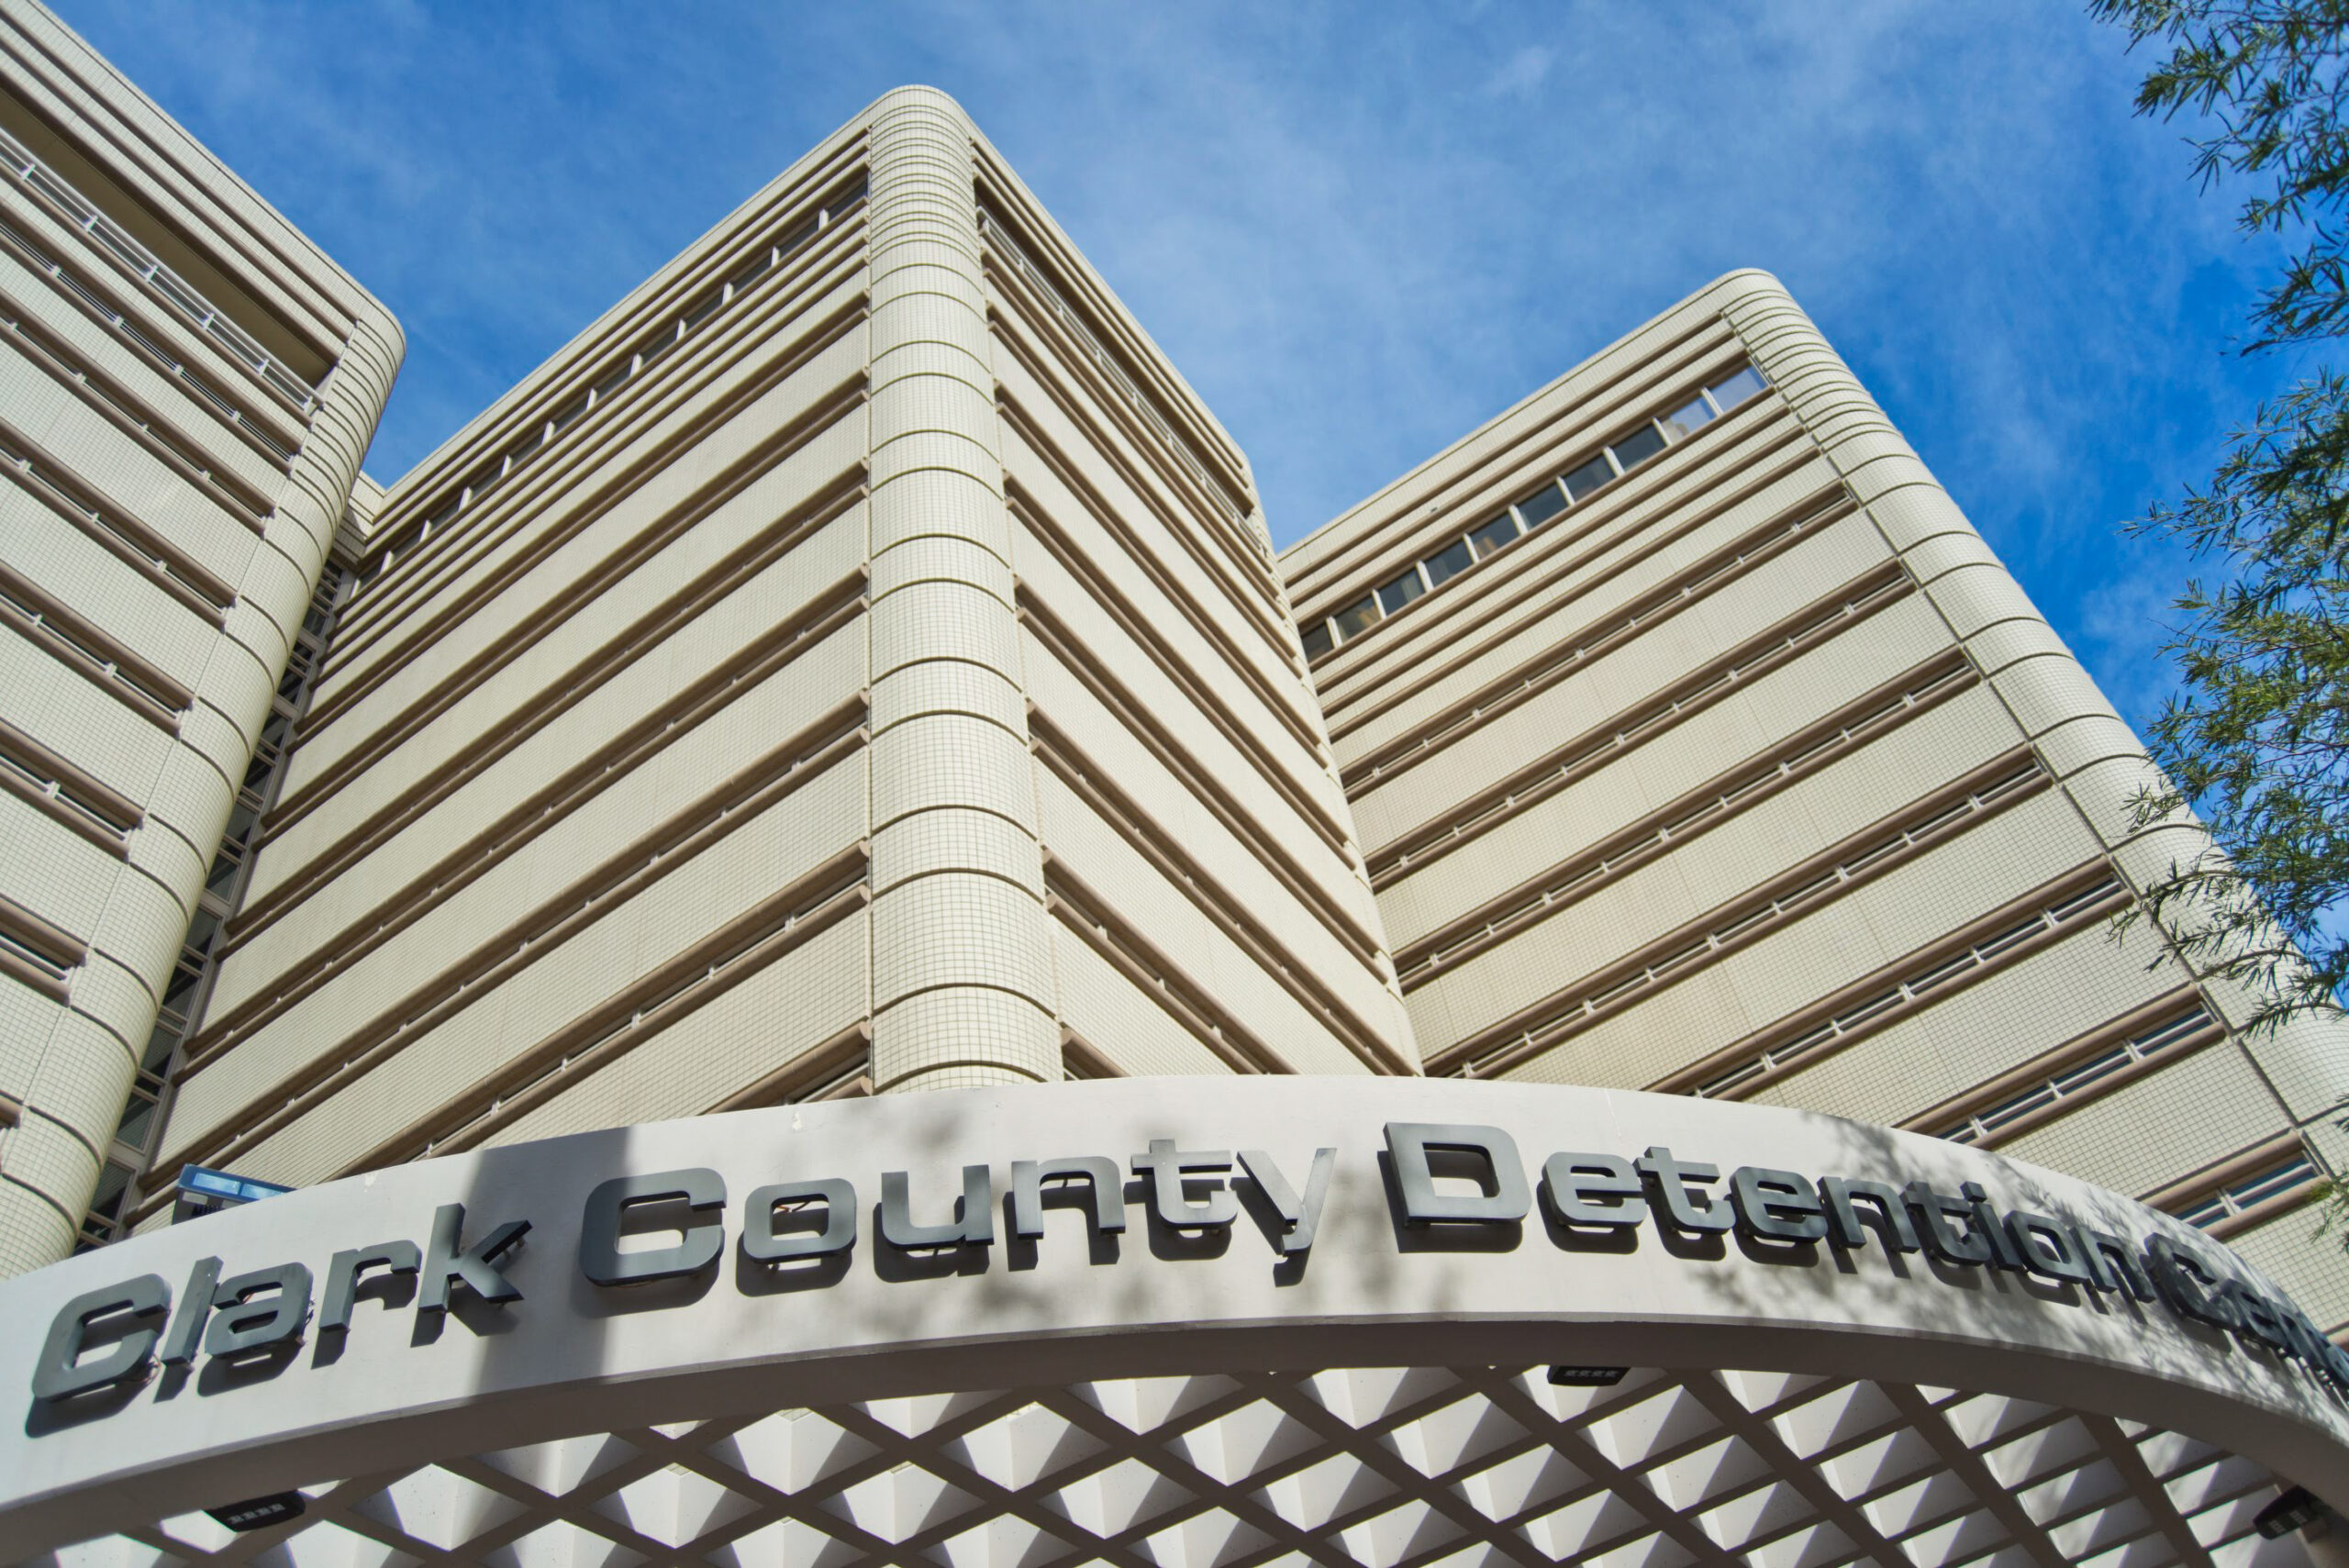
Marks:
<point>857,663</point>
<point>1754,773</point>
<point>186,385</point>
<point>853,665</point>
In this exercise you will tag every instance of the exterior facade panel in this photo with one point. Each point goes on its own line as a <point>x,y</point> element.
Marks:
<point>186,386</point>
<point>857,663</point>
<point>1747,772</point>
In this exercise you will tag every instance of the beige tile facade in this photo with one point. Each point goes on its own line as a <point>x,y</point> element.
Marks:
<point>186,388</point>
<point>1739,766</point>
<point>857,662</point>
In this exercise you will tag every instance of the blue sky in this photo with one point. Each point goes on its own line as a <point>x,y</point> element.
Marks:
<point>1359,229</point>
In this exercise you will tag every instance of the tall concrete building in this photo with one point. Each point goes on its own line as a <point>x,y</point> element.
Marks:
<point>186,388</point>
<point>1662,874</point>
<point>855,664</point>
<point>1697,743</point>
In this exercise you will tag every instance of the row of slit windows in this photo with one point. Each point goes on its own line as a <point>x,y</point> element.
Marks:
<point>2288,1177</point>
<point>154,273</point>
<point>631,364</point>
<point>1612,462</point>
<point>2170,1032</point>
<point>49,265</point>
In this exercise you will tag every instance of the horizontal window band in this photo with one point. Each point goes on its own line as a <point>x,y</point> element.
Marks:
<point>1254,596</point>
<point>1656,607</point>
<point>464,516</point>
<point>826,614</point>
<point>499,956</point>
<point>121,543</point>
<point>92,299</point>
<point>112,524</point>
<point>1145,967</point>
<point>44,797</point>
<point>621,647</point>
<point>91,654</point>
<point>1037,621</point>
<point>1203,616</point>
<point>1598,480</point>
<point>114,402</point>
<point>1752,918</point>
<point>2227,1169</point>
<point>1575,426</point>
<point>534,521</point>
<point>839,1069</point>
<point>1030,511</point>
<point>1081,1059</point>
<point>2051,1085</point>
<point>1003,196</point>
<point>580,398</point>
<point>1014,303</point>
<point>53,191</point>
<point>1809,628</point>
<point>684,986</point>
<point>808,752</point>
<point>1210,704</point>
<point>1977,950</point>
<point>1219,479</point>
<point>809,906</point>
<point>27,971</point>
<point>1612,541</point>
<point>41,955</point>
<point>1245,929</point>
<point>1686,817</point>
<point>44,779</point>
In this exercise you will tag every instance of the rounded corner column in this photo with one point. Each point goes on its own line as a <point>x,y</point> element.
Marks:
<point>962,988</point>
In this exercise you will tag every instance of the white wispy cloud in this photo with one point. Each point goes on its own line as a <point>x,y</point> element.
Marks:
<point>1359,229</point>
<point>1525,70</point>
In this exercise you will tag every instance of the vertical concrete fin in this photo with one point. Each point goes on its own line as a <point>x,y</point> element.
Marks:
<point>962,991</point>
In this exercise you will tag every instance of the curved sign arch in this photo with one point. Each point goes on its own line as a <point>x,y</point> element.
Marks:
<point>989,1238</point>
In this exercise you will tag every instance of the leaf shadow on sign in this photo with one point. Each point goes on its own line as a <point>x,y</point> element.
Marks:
<point>2052,1322</point>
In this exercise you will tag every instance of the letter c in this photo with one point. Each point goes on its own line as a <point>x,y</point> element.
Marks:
<point>60,1373</point>
<point>600,1257</point>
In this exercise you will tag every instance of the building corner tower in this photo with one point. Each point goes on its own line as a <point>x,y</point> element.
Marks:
<point>1701,745</point>
<point>2095,758</point>
<point>962,988</point>
<point>189,388</point>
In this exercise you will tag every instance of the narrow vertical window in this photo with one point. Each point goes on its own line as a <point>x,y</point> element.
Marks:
<point>1500,531</point>
<point>1541,506</point>
<point>1447,562</point>
<point>1393,595</point>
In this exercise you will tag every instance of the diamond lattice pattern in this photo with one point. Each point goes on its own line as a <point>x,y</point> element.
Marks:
<point>1380,1468</point>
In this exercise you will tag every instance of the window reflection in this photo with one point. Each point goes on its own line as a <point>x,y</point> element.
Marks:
<point>1541,506</point>
<point>1589,476</point>
<point>1357,618</point>
<point>1638,447</point>
<point>1494,535</point>
<point>1737,388</point>
<point>1449,562</point>
<point>1393,596</point>
<point>1683,421</point>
